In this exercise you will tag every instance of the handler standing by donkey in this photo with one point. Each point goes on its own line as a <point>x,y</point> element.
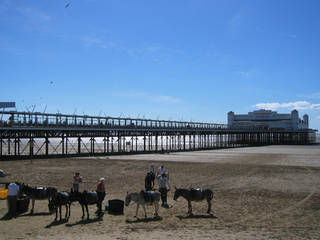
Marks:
<point>164,187</point>
<point>101,192</point>
<point>13,191</point>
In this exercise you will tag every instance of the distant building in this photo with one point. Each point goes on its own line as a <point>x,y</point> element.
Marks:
<point>7,105</point>
<point>267,119</point>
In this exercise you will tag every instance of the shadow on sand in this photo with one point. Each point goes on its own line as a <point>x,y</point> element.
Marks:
<point>7,217</point>
<point>196,216</point>
<point>57,223</point>
<point>138,220</point>
<point>35,214</point>
<point>86,221</point>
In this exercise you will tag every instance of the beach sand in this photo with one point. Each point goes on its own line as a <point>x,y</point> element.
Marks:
<point>269,192</point>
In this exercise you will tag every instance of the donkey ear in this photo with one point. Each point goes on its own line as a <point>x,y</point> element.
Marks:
<point>127,193</point>
<point>175,187</point>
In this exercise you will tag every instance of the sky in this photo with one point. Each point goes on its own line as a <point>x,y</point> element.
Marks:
<point>185,60</point>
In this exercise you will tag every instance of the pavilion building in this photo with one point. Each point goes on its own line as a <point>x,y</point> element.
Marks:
<point>267,119</point>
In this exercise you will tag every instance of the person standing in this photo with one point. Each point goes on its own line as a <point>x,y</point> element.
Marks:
<point>77,179</point>
<point>164,187</point>
<point>149,181</point>
<point>101,192</point>
<point>13,191</point>
<point>161,170</point>
<point>151,169</point>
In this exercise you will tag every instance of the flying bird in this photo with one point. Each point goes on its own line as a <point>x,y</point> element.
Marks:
<point>67,5</point>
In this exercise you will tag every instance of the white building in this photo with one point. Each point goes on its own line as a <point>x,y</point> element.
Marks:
<point>267,119</point>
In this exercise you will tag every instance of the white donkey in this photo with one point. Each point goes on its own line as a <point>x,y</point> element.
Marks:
<point>143,198</point>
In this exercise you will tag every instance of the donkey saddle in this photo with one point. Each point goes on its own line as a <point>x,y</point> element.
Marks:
<point>148,196</point>
<point>196,193</point>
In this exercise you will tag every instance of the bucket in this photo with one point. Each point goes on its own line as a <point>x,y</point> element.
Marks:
<point>3,193</point>
<point>23,204</point>
<point>115,206</point>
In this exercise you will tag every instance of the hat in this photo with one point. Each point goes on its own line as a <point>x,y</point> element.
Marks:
<point>102,179</point>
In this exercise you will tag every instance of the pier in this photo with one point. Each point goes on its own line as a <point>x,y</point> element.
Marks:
<point>43,135</point>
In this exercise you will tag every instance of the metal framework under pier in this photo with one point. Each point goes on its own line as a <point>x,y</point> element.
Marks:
<point>39,135</point>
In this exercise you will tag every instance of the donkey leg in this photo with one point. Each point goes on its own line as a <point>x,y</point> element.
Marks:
<point>32,205</point>
<point>144,209</point>
<point>82,211</point>
<point>88,217</point>
<point>69,210</point>
<point>56,214</point>
<point>137,210</point>
<point>209,206</point>
<point>60,211</point>
<point>66,216</point>
<point>189,208</point>
<point>156,208</point>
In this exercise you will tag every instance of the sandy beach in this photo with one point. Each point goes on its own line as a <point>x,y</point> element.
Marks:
<point>269,192</point>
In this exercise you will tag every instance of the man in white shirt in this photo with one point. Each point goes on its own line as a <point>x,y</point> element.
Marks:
<point>13,191</point>
<point>164,187</point>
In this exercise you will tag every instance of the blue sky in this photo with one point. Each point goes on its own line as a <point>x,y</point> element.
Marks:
<point>189,60</point>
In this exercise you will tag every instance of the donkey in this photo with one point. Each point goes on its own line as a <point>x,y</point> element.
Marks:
<point>86,198</point>
<point>37,193</point>
<point>58,200</point>
<point>194,195</point>
<point>140,199</point>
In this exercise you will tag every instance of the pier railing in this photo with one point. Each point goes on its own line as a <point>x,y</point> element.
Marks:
<point>37,119</point>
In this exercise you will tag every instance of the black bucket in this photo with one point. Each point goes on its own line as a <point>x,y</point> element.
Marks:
<point>23,205</point>
<point>115,206</point>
